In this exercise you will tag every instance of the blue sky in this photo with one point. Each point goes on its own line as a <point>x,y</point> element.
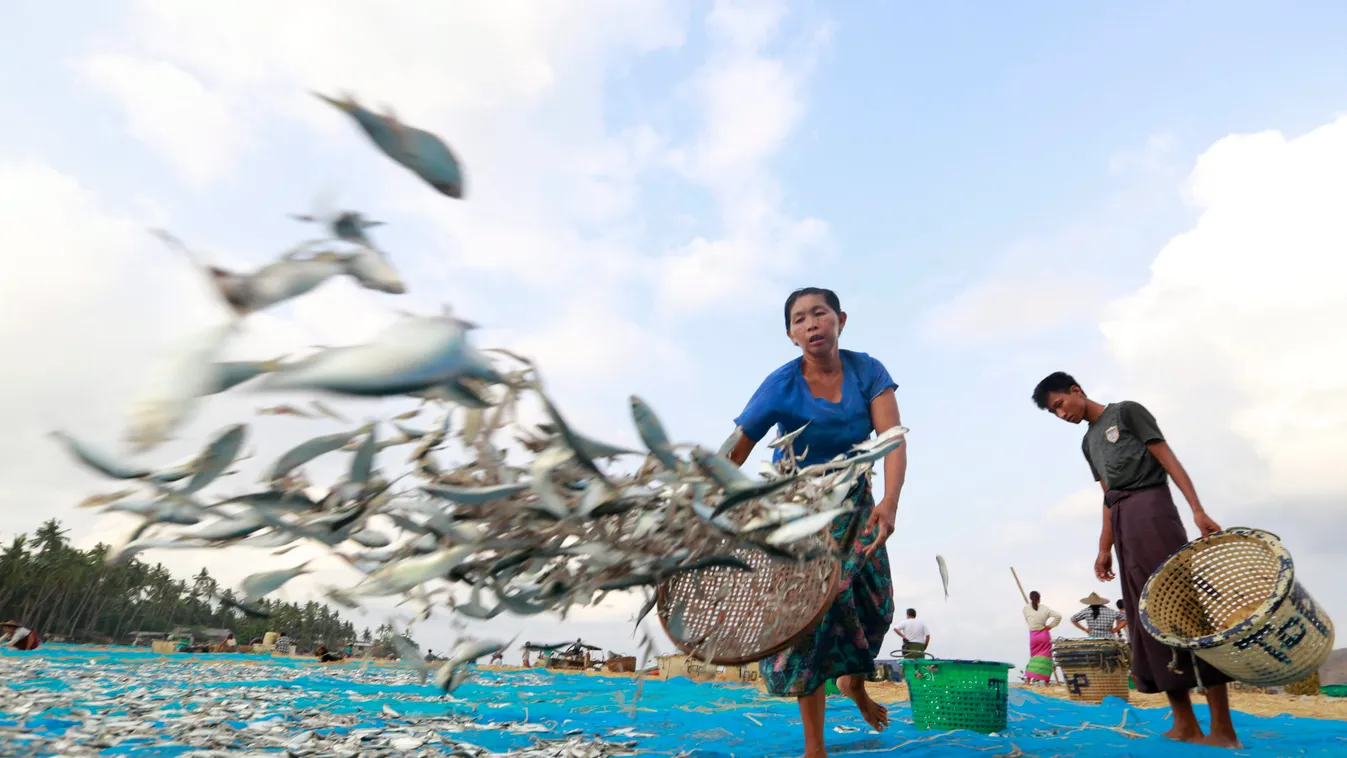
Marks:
<point>978,183</point>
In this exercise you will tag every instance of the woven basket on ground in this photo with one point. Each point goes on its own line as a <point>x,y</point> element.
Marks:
<point>1306,686</point>
<point>1093,669</point>
<point>1233,600</point>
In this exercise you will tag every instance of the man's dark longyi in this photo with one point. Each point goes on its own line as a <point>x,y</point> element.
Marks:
<point>1147,523</point>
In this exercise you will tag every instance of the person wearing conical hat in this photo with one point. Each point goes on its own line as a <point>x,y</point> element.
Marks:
<point>1133,463</point>
<point>1098,617</point>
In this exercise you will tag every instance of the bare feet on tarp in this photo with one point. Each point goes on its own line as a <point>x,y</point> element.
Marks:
<point>1186,733</point>
<point>876,715</point>
<point>1222,739</point>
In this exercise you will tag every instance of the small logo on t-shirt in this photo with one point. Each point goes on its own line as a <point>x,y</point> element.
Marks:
<point>1111,434</point>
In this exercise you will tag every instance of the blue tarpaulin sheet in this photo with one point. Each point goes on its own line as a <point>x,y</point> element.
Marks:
<point>673,717</point>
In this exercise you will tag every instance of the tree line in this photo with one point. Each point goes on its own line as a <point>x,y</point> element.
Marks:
<point>57,589</point>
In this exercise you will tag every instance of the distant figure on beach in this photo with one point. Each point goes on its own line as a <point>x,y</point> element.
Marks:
<point>1122,620</point>
<point>1098,616</point>
<point>1041,620</point>
<point>228,645</point>
<point>916,637</point>
<point>284,644</point>
<point>1129,457</point>
<point>498,658</point>
<point>16,635</point>
<point>325,656</point>
<point>834,399</point>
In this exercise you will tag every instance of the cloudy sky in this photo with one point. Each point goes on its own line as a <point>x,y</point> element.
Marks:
<point>1148,196</point>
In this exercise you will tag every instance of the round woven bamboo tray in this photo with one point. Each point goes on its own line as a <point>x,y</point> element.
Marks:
<point>1093,669</point>
<point>730,617</point>
<point>1233,600</point>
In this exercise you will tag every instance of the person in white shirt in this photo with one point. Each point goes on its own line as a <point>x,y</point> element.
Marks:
<point>1041,620</point>
<point>916,637</point>
<point>18,636</point>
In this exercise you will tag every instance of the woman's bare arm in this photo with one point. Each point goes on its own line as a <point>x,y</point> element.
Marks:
<point>741,450</point>
<point>884,416</point>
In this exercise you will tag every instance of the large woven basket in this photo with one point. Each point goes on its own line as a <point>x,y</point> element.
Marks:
<point>730,617</point>
<point>953,695</point>
<point>1093,669</point>
<point>1233,600</point>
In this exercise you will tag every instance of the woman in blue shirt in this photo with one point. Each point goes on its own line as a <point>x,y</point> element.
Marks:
<point>844,396</point>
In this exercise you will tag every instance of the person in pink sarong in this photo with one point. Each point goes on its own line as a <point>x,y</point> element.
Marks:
<point>1041,620</point>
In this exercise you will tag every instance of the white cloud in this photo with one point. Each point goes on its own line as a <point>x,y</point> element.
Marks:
<point>1008,307</point>
<point>1233,340</point>
<point>1062,278</point>
<point>752,102</point>
<point>1236,339</point>
<point>196,130</point>
<point>555,210</point>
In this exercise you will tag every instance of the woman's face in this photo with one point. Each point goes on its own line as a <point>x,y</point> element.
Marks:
<point>815,326</point>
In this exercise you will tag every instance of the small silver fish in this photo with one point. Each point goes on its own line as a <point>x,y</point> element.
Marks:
<point>372,270</point>
<point>473,650</point>
<point>798,529</point>
<point>395,578</point>
<point>370,538</point>
<point>99,460</point>
<point>185,373</point>
<point>730,442</point>
<point>475,495</point>
<point>259,585</point>
<point>307,451</point>
<point>219,455</point>
<point>229,528</point>
<point>652,433</point>
<point>944,574</point>
<point>410,355</point>
<point>786,439</point>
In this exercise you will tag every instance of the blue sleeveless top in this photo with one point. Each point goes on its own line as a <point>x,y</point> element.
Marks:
<point>784,400</point>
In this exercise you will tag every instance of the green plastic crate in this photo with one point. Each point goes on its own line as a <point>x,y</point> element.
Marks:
<point>951,695</point>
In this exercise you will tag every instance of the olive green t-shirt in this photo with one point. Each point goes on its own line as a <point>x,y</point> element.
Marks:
<point>1115,448</point>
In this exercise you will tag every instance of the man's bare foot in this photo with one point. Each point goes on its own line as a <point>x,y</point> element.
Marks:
<point>818,752</point>
<point>1185,733</point>
<point>1222,739</point>
<point>876,715</point>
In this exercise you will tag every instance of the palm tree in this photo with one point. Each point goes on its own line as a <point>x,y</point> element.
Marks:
<point>55,588</point>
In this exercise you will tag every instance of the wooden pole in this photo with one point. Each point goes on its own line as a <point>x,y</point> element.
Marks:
<point>1017,584</point>
<point>1026,602</point>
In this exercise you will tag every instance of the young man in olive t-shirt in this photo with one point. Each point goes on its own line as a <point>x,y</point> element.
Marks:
<point>1133,464</point>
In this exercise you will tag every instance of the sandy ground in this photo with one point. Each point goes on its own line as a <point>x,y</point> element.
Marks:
<point>1256,703</point>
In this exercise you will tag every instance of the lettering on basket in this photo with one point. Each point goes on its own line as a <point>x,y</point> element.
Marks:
<point>1307,608</point>
<point>1280,640</point>
<point>999,687</point>
<point>1076,683</point>
<point>1257,640</point>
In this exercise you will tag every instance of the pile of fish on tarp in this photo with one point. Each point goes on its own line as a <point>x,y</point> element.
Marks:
<point>557,524</point>
<point>158,707</point>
